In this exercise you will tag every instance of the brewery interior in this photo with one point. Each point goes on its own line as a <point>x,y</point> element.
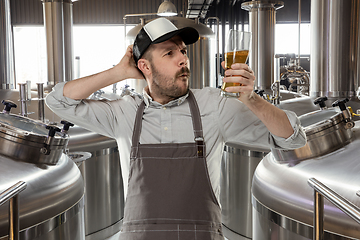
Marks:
<point>60,181</point>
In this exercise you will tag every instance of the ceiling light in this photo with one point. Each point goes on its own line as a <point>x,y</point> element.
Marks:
<point>167,9</point>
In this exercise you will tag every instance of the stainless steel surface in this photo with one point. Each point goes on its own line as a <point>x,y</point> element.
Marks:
<point>321,191</point>
<point>104,196</point>
<point>318,227</point>
<point>262,19</point>
<point>23,99</point>
<point>48,201</point>
<point>283,189</point>
<point>11,195</point>
<point>104,201</point>
<point>201,54</point>
<point>217,48</point>
<point>239,162</point>
<point>334,48</point>
<point>270,225</point>
<point>41,109</point>
<point>231,235</point>
<point>326,131</point>
<point>24,139</point>
<point>7,64</point>
<point>58,28</point>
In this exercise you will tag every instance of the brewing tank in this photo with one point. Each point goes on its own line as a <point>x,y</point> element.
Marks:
<point>283,202</point>
<point>201,54</point>
<point>101,172</point>
<point>53,201</point>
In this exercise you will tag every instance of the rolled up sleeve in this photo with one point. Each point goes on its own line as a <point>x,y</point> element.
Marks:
<point>296,140</point>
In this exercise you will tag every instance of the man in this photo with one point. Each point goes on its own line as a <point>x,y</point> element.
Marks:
<point>176,136</point>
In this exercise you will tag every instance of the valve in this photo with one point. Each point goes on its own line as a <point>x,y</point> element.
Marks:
<point>52,130</point>
<point>321,102</point>
<point>259,92</point>
<point>345,111</point>
<point>8,105</point>
<point>66,126</point>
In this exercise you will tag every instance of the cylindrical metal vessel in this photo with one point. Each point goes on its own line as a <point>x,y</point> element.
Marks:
<point>104,194</point>
<point>262,19</point>
<point>7,69</point>
<point>335,48</point>
<point>52,204</point>
<point>238,165</point>
<point>104,199</point>
<point>201,54</point>
<point>58,28</point>
<point>282,199</point>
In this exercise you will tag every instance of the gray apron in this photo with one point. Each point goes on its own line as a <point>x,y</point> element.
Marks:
<point>169,192</point>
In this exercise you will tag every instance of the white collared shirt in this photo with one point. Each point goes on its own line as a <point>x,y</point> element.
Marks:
<point>223,120</point>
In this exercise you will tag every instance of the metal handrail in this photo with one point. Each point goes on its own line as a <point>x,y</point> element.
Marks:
<point>321,191</point>
<point>11,195</point>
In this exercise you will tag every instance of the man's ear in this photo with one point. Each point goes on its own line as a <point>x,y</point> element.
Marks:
<point>144,66</point>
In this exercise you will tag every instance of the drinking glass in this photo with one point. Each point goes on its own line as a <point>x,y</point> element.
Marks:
<point>236,51</point>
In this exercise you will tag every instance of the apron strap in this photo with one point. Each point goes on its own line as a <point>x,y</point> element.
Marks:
<point>196,120</point>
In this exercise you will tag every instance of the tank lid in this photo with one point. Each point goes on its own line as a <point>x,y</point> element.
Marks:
<point>30,140</point>
<point>320,120</point>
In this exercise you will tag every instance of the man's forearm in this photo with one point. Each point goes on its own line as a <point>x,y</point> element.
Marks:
<point>274,118</point>
<point>83,87</point>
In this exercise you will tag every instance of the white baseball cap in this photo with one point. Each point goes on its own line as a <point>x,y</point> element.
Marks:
<point>161,30</point>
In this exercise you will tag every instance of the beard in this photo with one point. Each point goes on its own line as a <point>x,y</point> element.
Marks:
<point>170,87</point>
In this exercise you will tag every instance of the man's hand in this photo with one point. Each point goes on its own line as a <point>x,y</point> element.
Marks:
<point>83,87</point>
<point>240,73</point>
<point>127,67</point>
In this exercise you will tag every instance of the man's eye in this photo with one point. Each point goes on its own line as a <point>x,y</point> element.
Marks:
<point>184,52</point>
<point>169,53</point>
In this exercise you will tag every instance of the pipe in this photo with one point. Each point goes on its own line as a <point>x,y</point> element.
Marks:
<point>335,34</point>
<point>23,99</point>
<point>58,28</point>
<point>41,107</point>
<point>217,49</point>
<point>320,191</point>
<point>11,195</point>
<point>299,25</point>
<point>262,24</point>
<point>7,65</point>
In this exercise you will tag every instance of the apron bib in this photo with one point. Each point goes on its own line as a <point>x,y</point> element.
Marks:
<point>169,191</point>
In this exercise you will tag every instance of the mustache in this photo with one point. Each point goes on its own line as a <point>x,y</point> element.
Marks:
<point>182,71</point>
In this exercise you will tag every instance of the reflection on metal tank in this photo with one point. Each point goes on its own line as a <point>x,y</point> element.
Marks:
<point>335,48</point>
<point>52,204</point>
<point>201,54</point>
<point>104,200</point>
<point>238,165</point>
<point>283,202</point>
<point>262,19</point>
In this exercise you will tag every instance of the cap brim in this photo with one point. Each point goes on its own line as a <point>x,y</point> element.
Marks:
<point>189,35</point>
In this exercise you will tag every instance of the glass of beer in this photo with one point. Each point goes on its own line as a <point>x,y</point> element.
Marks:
<point>236,51</point>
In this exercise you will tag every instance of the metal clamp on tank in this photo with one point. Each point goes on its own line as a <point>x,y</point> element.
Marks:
<point>52,130</point>
<point>8,105</point>
<point>345,111</point>
<point>321,102</point>
<point>66,126</point>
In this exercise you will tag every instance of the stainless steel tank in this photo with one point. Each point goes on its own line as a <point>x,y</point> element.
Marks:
<point>104,195</point>
<point>201,54</point>
<point>282,199</point>
<point>238,165</point>
<point>52,205</point>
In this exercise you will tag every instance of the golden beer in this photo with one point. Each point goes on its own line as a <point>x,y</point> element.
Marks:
<point>240,57</point>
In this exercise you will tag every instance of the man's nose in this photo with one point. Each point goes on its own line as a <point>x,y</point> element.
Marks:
<point>183,59</point>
